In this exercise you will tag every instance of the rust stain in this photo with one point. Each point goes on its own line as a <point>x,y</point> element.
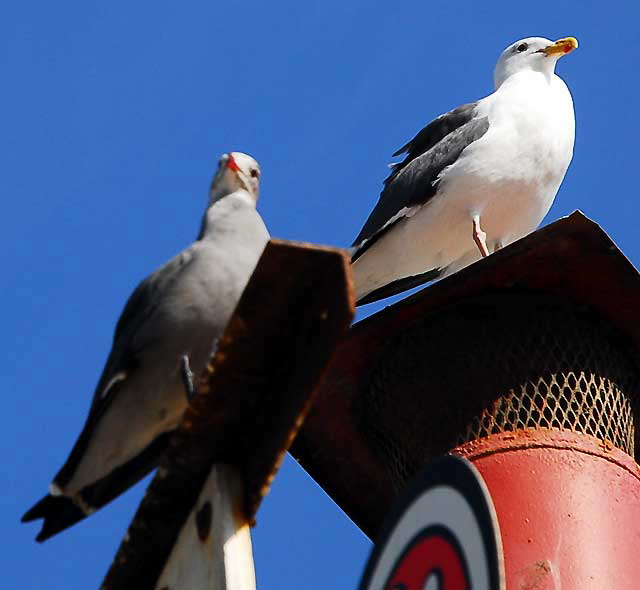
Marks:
<point>540,438</point>
<point>537,576</point>
<point>203,521</point>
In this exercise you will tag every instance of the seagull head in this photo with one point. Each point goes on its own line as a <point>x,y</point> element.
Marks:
<point>534,54</point>
<point>236,172</point>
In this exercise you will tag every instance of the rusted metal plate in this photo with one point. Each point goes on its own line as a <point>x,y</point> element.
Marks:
<point>572,259</point>
<point>260,385</point>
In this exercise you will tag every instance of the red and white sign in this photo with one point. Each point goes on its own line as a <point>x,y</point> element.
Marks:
<point>441,535</point>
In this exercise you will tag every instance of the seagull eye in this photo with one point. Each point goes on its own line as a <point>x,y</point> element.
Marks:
<point>522,47</point>
<point>254,173</point>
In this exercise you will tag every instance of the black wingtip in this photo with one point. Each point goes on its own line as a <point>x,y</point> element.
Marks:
<point>58,512</point>
<point>38,510</point>
<point>61,512</point>
<point>400,285</point>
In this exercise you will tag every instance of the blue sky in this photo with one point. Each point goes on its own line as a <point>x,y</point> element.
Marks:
<point>113,117</point>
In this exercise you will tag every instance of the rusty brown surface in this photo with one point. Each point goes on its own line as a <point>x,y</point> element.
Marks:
<point>260,385</point>
<point>572,259</point>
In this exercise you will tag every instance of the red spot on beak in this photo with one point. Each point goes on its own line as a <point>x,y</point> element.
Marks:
<point>232,164</point>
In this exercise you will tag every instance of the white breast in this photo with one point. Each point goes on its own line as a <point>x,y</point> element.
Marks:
<point>512,174</point>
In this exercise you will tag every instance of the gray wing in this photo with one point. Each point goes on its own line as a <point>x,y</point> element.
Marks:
<point>140,306</point>
<point>413,181</point>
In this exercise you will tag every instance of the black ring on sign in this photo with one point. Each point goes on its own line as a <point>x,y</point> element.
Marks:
<point>461,476</point>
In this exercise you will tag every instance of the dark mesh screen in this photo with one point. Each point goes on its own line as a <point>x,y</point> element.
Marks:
<point>497,364</point>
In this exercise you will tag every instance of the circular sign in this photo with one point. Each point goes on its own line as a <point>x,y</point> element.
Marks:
<point>441,535</point>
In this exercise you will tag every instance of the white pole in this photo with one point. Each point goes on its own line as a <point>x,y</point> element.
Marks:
<point>213,550</point>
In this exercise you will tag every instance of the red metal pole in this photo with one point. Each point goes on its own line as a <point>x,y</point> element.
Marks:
<point>568,507</point>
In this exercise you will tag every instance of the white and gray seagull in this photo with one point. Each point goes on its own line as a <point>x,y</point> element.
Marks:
<point>474,179</point>
<point>175,314</point>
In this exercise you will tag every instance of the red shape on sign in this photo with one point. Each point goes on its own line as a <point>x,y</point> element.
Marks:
<point>434,554</point>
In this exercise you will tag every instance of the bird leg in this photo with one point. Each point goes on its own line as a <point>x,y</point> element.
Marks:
<point>187,377</point>
<point>480,237</point>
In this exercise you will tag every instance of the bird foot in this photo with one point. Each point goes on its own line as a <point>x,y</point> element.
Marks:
<point>480,237</point>
<point>187,378</point>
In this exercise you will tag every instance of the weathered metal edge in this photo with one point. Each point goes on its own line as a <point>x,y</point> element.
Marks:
<point>572,258</point>
<point>259,387</point>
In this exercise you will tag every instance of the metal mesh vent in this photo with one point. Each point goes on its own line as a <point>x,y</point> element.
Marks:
<point>487,366</point>
<point>583,403</point>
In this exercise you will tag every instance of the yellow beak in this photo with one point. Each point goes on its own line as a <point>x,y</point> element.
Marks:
<point>561,47</point>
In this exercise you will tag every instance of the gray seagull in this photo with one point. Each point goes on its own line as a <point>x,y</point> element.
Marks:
<point>474,179</point>
<point>168,328</point>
